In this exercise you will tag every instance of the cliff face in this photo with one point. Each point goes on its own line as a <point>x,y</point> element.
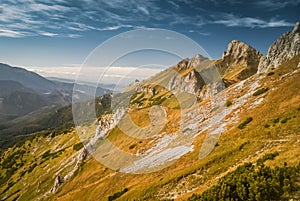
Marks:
<point>284,48</point>
<point>239,62</point>
<point>188,79</point>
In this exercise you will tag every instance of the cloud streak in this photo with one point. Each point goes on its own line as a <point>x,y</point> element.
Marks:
<point>230,20</point>
<point>63,18</point>
<point>276,4</point>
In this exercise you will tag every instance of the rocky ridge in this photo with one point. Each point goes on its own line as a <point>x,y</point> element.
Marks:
<point>238,62</point>
<point>284,48</point>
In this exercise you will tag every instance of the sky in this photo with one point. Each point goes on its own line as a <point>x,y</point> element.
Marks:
<point>62,33</point>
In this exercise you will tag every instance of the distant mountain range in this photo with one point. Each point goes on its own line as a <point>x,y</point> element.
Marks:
<point>26,94</point>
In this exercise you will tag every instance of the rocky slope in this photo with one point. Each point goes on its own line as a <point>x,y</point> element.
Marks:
<point>284,48</point>
<point>193,76</point>
<point>51,167</point>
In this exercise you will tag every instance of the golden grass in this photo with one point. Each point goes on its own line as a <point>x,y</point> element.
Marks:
<point>95,182</point>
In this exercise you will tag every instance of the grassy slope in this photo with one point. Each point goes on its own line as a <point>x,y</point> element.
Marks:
<point>235,147</point>
<point>95,182</point>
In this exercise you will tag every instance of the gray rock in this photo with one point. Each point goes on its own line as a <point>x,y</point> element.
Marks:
<point>58,181</point>
<point>192,82</point>
<point>283,49</point>
<point>239,61</point>
<point>195,79</point>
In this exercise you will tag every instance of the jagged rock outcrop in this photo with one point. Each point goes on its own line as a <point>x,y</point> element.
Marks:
<point>106,123</point>
<point>191,83</point>
<point>187,79</point>
<point>284,48</point>
<point>79,160</point>
<point>57,182</point>
<point>239,62</point>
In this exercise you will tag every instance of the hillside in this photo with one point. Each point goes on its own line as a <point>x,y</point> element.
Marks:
<point>31,103</point>
<point>184,134</point>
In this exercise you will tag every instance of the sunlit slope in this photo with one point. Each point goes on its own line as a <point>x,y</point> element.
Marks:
<point>30,170</point>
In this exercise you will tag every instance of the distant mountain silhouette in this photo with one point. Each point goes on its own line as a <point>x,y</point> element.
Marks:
<point>25,96</point>
<point>26,78</point>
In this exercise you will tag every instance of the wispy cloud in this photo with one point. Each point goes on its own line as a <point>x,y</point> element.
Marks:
<point>276,4</point>
<point>63,18</point>
<point>112,28</point>
<point>200,33</point>
<point>144,10</point>
<point>231,20</point>
<point>11,33</point>
<point>60,19</point>
<point>45,33</point>
<point>175,5</point>
<point>28,18</point>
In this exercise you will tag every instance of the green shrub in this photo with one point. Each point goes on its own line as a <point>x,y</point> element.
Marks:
<point>283,121</point>
<point>117,195</point>
<point>275,121</point>
<point>243,145</point>
<point>267,125</point>
<point>244,124</point>
<point>250,183</point>
<point>266,157</point>
<point>31,168</point>
<point>260,91</point>
<point>77,146</point>
<point>132,146</point>
<point>228,103</point>
<point>46,154</point>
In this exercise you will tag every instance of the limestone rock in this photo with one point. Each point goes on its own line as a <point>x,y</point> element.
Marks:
<point>57,182</point>
<point>191,81</point>
<point>239,61</point>
<point>283,49</point>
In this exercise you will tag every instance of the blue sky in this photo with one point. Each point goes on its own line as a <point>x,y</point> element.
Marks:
<point>62,32</point>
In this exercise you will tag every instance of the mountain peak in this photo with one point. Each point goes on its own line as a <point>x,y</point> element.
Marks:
<point>190,63</point>
<point>238,49</point>
<point>196,60</point>
<point>239,61</point>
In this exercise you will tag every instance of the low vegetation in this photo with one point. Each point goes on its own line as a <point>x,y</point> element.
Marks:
<point>276,120</point>
<point>260,91</point>
<point>228,103</point>
<point>132,146</point>
<point>117,194</point>
<point>266,157</point>
<point>249,182</point>
<point>77,146</point>
<point>244,123</point>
